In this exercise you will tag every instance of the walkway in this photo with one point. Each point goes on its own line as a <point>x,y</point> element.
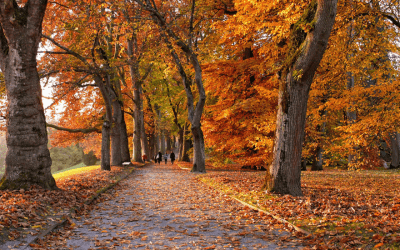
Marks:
<point>163,207</point>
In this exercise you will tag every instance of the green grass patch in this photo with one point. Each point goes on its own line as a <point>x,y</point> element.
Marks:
<point>80,165</point>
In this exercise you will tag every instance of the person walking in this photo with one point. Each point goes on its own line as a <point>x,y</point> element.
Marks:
<point>165,158</point>
<point>172,156</point>
<point>159,157</point>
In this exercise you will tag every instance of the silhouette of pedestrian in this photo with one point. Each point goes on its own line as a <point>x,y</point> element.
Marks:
<point>172,156</point>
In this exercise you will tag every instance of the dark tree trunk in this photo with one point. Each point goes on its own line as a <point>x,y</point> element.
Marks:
<point>169,143</point>
<point>105,146</point>
<point>199,155</point>
<point>384,151</point>
<point>124,141</point>
<point>106,130</point>
<point>180,143</point>
<point>296,77</point>
<point>137,133</point>
<point>303,165</point>
<point>186,145</point>
<point>116,159</point>
<point>28,159</point>
<point>394,144</point>
<point>317,160</point>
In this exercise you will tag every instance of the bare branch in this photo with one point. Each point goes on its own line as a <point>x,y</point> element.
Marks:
<point>78,130</point>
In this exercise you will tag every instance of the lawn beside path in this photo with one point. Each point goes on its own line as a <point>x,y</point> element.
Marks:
<point>165,207</point>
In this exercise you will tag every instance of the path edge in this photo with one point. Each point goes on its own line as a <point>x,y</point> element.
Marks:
<point>298,229</point>
<point>75,209</point>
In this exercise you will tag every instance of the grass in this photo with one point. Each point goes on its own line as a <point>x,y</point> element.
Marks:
<point>77,169</point>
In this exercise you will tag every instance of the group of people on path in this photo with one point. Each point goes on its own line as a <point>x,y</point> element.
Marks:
<point>159,157</point>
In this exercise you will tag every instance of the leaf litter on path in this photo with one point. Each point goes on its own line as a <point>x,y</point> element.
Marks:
<point>163,207</point>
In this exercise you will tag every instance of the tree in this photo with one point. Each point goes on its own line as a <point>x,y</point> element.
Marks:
<point>307,43</point>
<point>28,159</point>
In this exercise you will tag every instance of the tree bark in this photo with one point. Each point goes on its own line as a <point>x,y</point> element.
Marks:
<point>28,159</point>
<point>106,130</point>
<point>180,143</point>
<point>186,145</point>
<point>168,140</point>
<point>317,161</point>
<point>137,102</point>
<point>394,144</point>
<point>105,147</point>
<point>116,159</point>
<point>305,52</point>
<point>144,140</point>
<point>125,156</point>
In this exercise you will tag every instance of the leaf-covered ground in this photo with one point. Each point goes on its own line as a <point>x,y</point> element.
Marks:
<point>165,207</point>
<point>23,210</point>
<point>342,209</point>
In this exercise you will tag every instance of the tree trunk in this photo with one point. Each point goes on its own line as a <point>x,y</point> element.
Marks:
<point>28,159</point>
<point>199,155</point>
<point>137,146</point>
<point>169,143</point>
<point>317,160</point>
<point>186,145</point>
<point>144,140</point>
<point>180,143</point>
<point>125,156</point>
<point>106,130</point>
<point>305,52</point>
<point>394,144</point>
<point>105,146</point>
<point>116,159</point>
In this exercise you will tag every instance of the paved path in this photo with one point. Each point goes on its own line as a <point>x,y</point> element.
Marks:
<point>162,207</point>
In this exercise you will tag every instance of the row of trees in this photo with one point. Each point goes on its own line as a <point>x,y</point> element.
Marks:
<point>136,68</point>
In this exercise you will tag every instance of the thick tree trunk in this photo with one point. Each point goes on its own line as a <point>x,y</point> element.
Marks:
<point>317,160</point>
<point>304,55</point>
<point>106,130</point>
<point>28,159</point>
<point>125,156</point>
<point>394,144</point>
<point>199,155</point>
<point>186,145</point>
<point>137,133</point>
<point>138,123</point>
<point>105,146</point>
<point>116,159</point>
<point>137,100</point>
